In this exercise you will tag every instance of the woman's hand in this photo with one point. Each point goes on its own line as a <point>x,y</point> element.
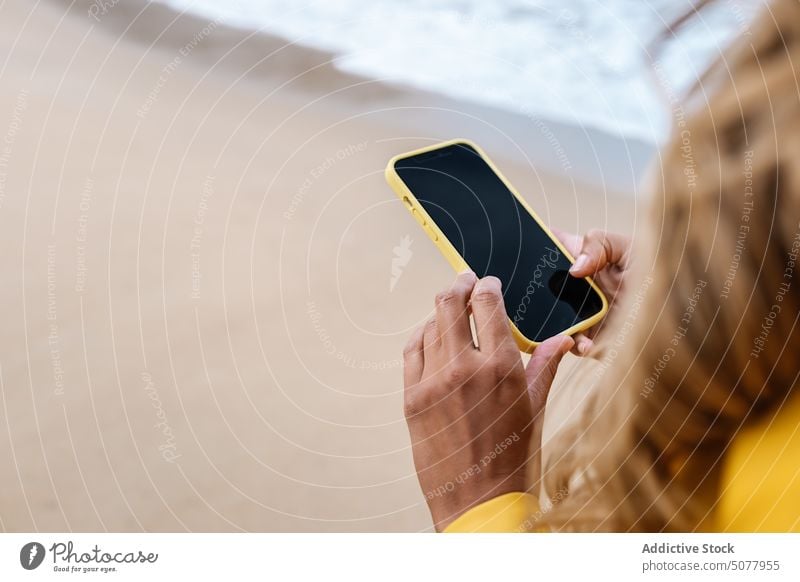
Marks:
<point>473,411</point>
<point>604,256</point>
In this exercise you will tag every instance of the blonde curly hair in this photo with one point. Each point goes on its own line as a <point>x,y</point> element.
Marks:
<point>703,342</point>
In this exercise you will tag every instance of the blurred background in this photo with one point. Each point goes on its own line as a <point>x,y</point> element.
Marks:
<point>208,283</point>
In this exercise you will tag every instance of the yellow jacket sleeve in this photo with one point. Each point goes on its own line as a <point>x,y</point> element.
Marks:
<point>760,489</point>
<point>508,513</point>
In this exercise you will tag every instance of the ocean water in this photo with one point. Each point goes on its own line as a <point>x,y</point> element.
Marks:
<point>582,62</point>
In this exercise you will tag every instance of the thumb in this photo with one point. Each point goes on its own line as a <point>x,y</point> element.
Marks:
<point>540,372</point>
<point>542,367</point>
<point>599,250</point>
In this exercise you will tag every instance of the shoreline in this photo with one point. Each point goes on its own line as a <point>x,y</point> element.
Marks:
<point>586,155</point>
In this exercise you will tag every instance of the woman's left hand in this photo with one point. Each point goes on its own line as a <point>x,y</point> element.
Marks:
<point>473,412</point>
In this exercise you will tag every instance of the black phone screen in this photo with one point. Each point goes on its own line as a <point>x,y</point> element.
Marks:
<point>497,236</point>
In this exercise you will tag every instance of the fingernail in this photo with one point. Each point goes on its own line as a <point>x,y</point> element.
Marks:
<point>580,263</point>
<point>489,284</point>
<point>567,344</point>
<point>583,347</point>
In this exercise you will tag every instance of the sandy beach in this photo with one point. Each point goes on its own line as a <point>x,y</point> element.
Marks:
<point>201,327</point>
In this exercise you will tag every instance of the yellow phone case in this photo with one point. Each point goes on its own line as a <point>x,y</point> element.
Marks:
<point>454,257</point>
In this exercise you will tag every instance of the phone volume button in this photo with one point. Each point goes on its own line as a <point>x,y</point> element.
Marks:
<point>432,233</point>
<point>418,216</point>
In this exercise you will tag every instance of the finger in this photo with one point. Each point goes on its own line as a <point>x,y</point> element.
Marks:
<point>600,249</point>
<point>452,314</point>
<point>540,373</point>
<point>542,367</point>
<point>488,309</point>
<point>583,343</point>
<point>571,242</point>
<point>430,337</point>
<point>413,358</point>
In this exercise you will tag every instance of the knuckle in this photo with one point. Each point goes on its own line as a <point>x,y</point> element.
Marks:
<point>412,406</point>
<point>595,234</point>
<point>486,297</point>
<point>417,399</point>
<point>445,297</point>
<point>598,244</point>
<point>431,328</point>
<point>608,247</point>
<point>410,349</point>
<point>455,375</point>
<point>413,345</point>
<point>502,364</point>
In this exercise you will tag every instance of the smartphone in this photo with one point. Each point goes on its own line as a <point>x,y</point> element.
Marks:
<point>479,222</point>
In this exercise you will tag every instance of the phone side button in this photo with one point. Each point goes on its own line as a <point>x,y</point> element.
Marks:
<point>432,234</point>
<point>407,202</point>
<point>418,216</point>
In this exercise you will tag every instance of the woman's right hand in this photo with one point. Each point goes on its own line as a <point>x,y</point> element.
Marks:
<point>604,256</point>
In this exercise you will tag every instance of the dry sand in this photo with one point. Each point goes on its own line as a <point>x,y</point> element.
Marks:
<point>198,326</point>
